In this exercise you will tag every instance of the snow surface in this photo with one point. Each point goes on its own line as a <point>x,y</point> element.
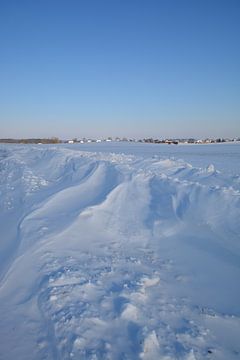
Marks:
<point>224,156</point>
<point>117,256</point>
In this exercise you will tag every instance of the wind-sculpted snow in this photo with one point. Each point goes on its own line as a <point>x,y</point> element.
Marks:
<point>112,256</point>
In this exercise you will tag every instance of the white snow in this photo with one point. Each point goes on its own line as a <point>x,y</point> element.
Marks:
<point>109,255</point>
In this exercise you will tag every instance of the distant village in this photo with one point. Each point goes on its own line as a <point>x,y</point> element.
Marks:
<point>155,141</point>
<point>56,140</point>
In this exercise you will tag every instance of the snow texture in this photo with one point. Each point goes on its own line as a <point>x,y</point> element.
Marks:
<point>116,256</point>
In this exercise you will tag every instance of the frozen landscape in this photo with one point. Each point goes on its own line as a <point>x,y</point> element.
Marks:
<point>119,251</point>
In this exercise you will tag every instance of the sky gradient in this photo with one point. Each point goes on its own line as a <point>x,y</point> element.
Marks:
<point>97,68</point>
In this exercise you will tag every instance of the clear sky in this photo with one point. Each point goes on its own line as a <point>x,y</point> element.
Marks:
<point>130,68</point>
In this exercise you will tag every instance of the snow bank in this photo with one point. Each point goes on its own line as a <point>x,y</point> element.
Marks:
<point>112,256</point>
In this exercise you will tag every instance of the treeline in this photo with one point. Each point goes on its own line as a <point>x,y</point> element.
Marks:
<point>53,140</point>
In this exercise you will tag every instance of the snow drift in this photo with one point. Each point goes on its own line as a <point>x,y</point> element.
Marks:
<point>112,256</point>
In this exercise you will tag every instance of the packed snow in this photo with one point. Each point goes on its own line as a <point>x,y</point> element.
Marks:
<point>109,255</point>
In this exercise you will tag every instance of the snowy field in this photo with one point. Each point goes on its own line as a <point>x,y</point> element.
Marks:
<point>120,251</point>
<point>225,157</point>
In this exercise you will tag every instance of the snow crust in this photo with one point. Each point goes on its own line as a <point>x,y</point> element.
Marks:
<point>113,256</point>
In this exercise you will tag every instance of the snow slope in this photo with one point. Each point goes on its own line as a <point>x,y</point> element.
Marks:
<point>112,256</point>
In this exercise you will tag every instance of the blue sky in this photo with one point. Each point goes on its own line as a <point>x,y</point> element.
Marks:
<point>131,68</point>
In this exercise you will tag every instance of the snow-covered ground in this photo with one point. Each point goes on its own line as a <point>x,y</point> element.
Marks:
<point>109,255</point>
<point>224,156</point>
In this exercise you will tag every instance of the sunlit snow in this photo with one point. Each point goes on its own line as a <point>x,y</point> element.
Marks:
<point>109,255</point>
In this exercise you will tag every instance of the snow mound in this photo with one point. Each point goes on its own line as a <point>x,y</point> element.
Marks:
<point>112,256</point>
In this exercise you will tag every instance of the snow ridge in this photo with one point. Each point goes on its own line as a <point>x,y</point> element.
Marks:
<point>112,256</point>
